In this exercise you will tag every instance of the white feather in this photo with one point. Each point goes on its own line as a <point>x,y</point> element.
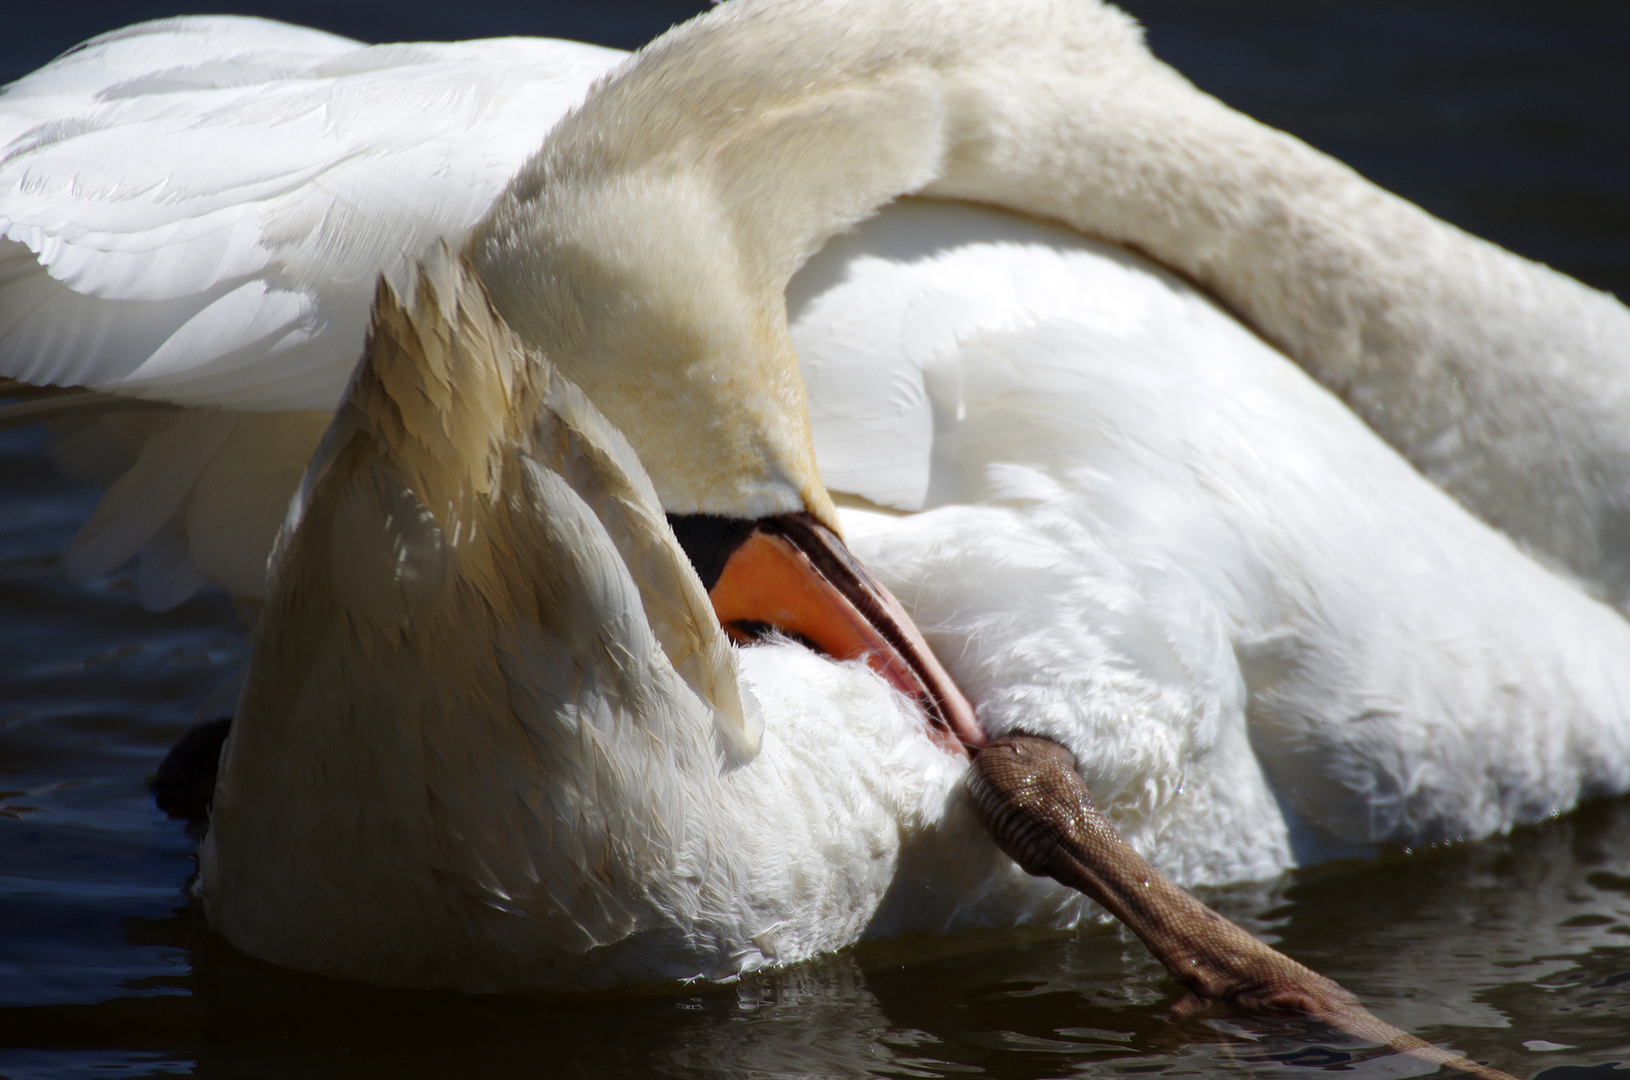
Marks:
<point>208,201</point>
<point>197,210</point>
<point>1147,535</point>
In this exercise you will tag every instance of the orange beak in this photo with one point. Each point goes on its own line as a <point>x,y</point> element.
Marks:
<point>792,574</point>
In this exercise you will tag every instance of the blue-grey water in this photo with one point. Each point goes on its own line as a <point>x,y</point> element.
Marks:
<point>1509,118</point>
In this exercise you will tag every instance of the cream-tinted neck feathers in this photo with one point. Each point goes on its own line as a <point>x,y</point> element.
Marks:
<point>419,479</point>
<point>646,247</point>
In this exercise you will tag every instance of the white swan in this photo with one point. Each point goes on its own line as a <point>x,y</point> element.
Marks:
<point>1142,532</point>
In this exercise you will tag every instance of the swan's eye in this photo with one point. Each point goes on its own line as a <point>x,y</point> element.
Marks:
<point>708,541</point>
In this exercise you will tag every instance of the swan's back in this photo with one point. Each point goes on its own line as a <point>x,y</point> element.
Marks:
<point>1145,533</point>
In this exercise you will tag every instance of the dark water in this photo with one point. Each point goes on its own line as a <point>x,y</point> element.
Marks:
<point>1510,119</point>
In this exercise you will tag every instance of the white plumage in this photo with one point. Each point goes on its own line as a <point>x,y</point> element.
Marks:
<point>1122,519</point>
<point>206,203</point>
<point>1146,535</point>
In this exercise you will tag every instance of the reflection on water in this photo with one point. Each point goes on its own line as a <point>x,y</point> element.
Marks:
<point>1507,118</point>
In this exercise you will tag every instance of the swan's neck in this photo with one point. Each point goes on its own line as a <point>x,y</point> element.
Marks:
<point>647,245</point>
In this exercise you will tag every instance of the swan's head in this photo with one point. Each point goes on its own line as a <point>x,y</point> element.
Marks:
<point>648,262</point>
<point>638,295</point>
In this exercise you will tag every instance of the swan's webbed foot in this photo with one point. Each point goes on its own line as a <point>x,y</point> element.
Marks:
<point>1028,793</point>
<point>184,785</point>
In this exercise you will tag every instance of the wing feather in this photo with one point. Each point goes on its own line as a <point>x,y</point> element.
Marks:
<point>197,209</point>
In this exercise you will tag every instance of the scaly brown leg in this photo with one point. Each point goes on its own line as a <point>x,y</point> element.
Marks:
<point>1041,814</point>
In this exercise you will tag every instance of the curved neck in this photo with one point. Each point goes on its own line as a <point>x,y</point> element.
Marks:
<point>652,237</point>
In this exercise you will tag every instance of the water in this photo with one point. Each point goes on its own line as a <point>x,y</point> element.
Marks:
<point>1508,118</point>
